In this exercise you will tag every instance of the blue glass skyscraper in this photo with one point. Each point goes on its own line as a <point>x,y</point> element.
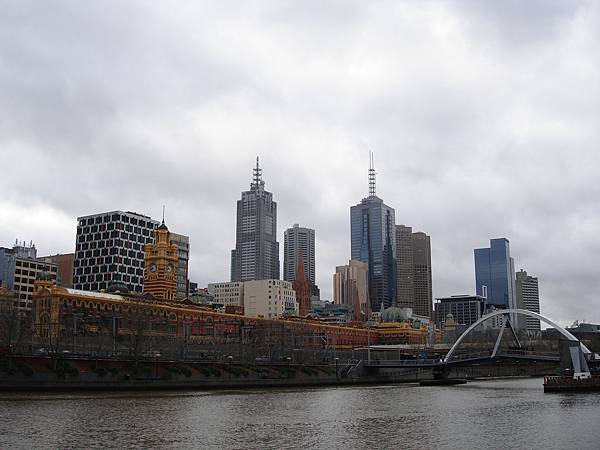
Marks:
<point>373,241</point>
<point>495,274</point>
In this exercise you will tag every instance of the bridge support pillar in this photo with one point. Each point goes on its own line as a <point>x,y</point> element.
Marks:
<point>441,372</point>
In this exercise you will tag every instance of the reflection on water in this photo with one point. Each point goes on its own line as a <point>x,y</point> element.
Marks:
<point>493,414</point>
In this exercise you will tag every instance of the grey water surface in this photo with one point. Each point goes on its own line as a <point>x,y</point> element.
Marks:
<point>509,413</point>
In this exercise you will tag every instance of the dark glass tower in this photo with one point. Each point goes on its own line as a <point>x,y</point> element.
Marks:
<point>256,253</point>
<point>495,274</point>
<point>373,241</point>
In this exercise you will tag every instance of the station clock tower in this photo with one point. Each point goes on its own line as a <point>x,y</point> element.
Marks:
<point>160,266</point>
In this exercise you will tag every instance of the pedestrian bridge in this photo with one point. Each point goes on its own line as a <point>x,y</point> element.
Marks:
<point>452,359</point>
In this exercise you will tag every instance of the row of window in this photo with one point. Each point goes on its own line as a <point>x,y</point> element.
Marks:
<point>116,218</point>
<point>98,237</point>
<point>88,257</point>
<point>126,276</point>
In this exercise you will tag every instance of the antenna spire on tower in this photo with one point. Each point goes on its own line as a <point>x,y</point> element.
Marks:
<point>163,219</point>
<point>371,175</point>
<point>257,176</point>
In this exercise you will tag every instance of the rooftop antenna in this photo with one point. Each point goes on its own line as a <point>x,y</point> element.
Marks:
<point>371,175</point>
<point>163,219</point>
<point>257,177</point>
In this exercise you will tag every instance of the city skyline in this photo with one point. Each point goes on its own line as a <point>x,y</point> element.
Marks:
<point>482,120</point>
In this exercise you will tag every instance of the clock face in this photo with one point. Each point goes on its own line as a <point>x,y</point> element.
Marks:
<point>169,268</point>
<point>153,268</point>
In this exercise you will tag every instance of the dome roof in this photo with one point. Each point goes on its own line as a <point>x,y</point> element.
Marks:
<point>393,314</point>
<point>45,276</point>
<point>162,226</point>
<point>117,286</point>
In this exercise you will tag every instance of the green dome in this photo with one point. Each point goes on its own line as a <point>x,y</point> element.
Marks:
<point>393,314</point>
<point>45,276</point>
<point>118,286</point>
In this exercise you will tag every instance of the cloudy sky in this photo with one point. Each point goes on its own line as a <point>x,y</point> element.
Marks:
<point>484,117</point>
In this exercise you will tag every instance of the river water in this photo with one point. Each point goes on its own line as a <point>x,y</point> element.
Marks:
<point>509,413</point>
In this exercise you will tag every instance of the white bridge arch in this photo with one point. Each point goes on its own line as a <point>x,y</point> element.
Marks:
<point>508,312</point>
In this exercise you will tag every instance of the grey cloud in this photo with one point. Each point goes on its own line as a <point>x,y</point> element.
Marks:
<point>483,117</point>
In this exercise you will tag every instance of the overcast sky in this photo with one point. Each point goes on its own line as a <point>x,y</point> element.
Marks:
<point>484,118</point>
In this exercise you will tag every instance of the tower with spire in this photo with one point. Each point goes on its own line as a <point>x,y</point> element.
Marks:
<point>373,241</point>
<point>160,265</point>
<point>256,253</point>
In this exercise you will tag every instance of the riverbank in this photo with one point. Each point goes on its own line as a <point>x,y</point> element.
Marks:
<point>70,373</point>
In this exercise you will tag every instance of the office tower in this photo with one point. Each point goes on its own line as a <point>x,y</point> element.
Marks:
<point>405,268</point>
<point>19,268</point>
<point>465,309</point>
<point>256,253</point>
<point>373,241</point>
<point>183,256</point>
<point>351,287</point>
<point>495,274</point>
<point>65,267</point>
<point>528,297</point>
<point>110,248</point>
<point>298,241</point>
<point>160,265</point>
<point>422,274</point>
<point>302,287</point>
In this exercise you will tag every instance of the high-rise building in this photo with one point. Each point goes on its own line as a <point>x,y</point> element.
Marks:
<point>405,267</point>
<point>109,248</point>
<point>351,287</point>
<point>528,297</point>
<point>299,241</point>
<point>19,268</point>
<point>422,274</point>
<point>160,265</point>
<point>373,241</point>
<point>256,253</point>
<point>495,274</point>
<point>65,267</point>
<point>183,257</point>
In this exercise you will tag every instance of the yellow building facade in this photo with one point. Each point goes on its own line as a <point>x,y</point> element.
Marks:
<point>160,266</point>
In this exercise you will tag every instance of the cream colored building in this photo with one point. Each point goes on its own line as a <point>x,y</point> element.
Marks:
<point>269,298</point>
<point>228,293</point>
<point>351,286</point>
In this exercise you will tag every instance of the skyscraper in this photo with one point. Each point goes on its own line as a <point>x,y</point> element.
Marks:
<point>422,274</point>
<point>109,247</point>
<point>495,274</point>
<point>413,271</point>
<point>528,297</point>
<point>256,253</point>
<point>351,287</point>
<point>373,241</point>
<point>298,241</point>
<point>183,254</point>
<point>405,267</point>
